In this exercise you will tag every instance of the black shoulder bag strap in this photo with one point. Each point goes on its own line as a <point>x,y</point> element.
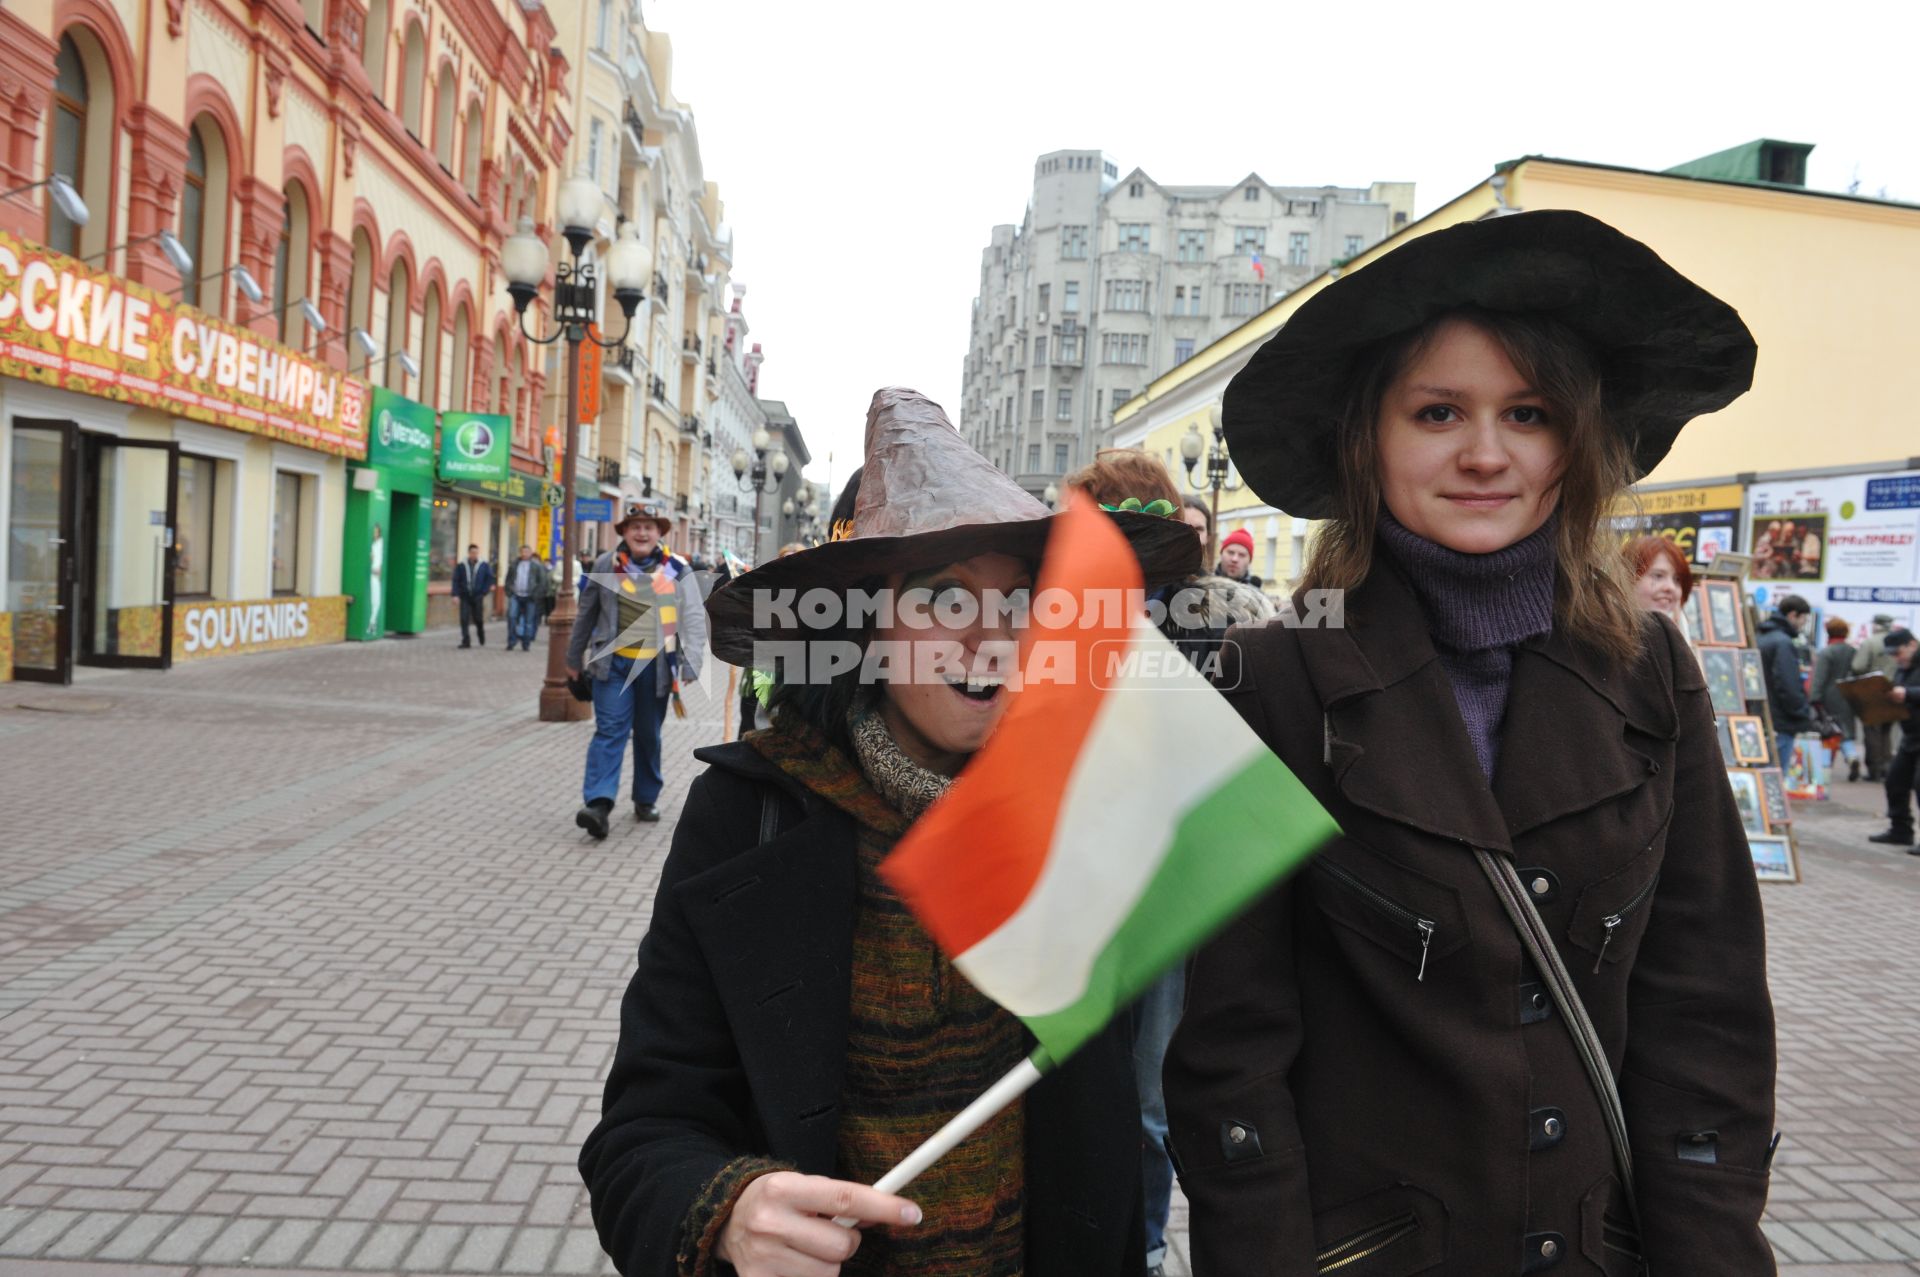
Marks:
<point>1533,933</point>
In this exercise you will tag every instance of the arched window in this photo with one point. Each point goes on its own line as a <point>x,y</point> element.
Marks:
<point>290,264</point>
<point>413,80</point>
<point>475,140</point>
<point>80,142</point>
<point>458,398</point>
<point>203,216</point>
<point>193,214</point>
<point>67,144</point>
<point>373,53</point>
<point>445,112</point>
<point>430,348</point>
<point>502,378</point>
<point>399,313</point>
<point>516,401</point>
<point>359,300</point>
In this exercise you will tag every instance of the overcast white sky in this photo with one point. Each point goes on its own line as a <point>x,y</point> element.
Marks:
<point>865,151</point>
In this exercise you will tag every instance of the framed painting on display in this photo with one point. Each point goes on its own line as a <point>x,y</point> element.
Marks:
<point>1753,676</point>
<point>1725,614</point>
<point>1722,668</point>
<point>1773,794</point>
<point>1773,858</point>
<point>1749,739</point>
<point>1747,797</point>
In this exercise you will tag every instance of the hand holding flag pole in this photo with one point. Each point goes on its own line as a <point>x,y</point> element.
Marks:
<point>1059,884</point>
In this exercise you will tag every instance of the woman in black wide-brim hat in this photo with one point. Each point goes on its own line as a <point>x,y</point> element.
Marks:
<point>790,1032</point>
<point>1539,942</point>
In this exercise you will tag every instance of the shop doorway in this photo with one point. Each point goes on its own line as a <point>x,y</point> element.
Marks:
<point>90,550</point>
<point>406,572</point>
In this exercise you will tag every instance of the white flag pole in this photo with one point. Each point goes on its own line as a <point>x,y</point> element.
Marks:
<point>964,1123</point>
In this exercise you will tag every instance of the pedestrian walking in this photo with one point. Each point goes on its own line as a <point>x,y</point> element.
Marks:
<point>472,587</point>
<point>1873,657</point>
<point>1834,663</point>
<point>1793,712</point>
<point>528,585</point>
<point>790,1032</point>
<point>1903,770</point>
<point>1541,932</point>
<point>641,634</point>
<point>1236,558</point>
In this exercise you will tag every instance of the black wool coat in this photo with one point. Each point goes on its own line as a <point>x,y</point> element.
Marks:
<point>1371,1078</point>
<point>733,1040</point>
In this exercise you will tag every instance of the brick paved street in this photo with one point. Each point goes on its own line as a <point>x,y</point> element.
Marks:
<point>303,966</point>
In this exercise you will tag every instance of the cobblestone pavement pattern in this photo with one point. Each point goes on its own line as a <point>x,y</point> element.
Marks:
<point>303,966</point>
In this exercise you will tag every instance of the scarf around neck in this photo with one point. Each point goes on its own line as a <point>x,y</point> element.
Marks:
<point>1479,609</point>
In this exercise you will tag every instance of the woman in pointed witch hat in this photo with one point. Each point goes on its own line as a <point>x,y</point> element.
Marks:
<point>1540,940</point>
<point>790,1032</point>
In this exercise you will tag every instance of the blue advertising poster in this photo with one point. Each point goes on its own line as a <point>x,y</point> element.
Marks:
<point>593,509</point>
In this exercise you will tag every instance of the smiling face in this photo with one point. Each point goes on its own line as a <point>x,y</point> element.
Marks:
<point>641,536</point>
<point>1658,589</point>
<point>940,723</point>
<point>1469,454</point>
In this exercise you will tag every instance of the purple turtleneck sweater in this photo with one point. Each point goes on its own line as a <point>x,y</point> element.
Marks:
<point>1480,608</point>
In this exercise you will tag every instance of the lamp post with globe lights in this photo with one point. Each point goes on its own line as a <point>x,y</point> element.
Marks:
<point>1219,472</point>
<point>752,472</point>
<point>525,258</point>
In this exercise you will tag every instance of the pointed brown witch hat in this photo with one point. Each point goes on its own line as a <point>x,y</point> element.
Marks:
<point>926,499</point>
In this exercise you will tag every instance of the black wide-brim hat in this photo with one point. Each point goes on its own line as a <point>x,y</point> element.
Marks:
<point>926,499</point>
<point>1668,350</point>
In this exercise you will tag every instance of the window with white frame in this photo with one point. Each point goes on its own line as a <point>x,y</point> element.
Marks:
<point>1134,237</point>
<point>1249,239</point>
<point>1033,457</point>
<point>1073,242</point>
<point>1193,246</point>
<point>1123,348</point>
<point>1069,348</point>
<point>1246,299</point>
<point>1297,248</point>
<point>1039,352</point>
<point>603,26</point>
<point>1126,294</point>
<point>1186,299</point>
<point>1136,189</point>
<point>1182,349</point>
<point>1059,458</point>
<point>1070,298</point>
<point>1046,291</point>
<point>1120,397</point>
<point>1063,407</point>
<point>1038,408</point>
<point>1252,194</point>
<point>596,146</point>
<point>1353,246</point>
<point>289,532</point>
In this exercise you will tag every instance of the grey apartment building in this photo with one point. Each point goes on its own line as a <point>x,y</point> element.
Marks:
<point>1110,281</point>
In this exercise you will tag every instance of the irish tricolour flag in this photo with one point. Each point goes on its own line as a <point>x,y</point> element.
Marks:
<point>1119,815</point>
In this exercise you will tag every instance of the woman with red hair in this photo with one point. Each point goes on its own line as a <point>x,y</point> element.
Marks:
<point>1663,579</point>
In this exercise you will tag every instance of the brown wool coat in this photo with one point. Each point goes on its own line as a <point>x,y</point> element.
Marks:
<point>1331,1101</point>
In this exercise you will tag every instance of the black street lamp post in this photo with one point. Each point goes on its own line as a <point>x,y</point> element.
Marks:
<point>753,473</point>
<point>1219,473</point>
<point>524,258</point>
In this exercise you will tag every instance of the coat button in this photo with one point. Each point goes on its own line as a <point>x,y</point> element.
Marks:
<point>1549,1249</point>
<point>1543,1251</point>
<point>1238,1134</point>
<point>1546,1127</point>
<point>1542,884</point>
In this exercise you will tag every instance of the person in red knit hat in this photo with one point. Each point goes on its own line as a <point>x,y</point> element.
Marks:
<point>1236,558</point>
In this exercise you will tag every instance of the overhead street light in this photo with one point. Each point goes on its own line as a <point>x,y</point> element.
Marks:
<point>64,193</point>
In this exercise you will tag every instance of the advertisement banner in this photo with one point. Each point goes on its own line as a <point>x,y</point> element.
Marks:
<point>474,446</point>
<point>528,491</point>
<point>402,435</point>
<point>68,325</point>
<point>1850,545</point>
<point>1700,522</point>
<point>263,625</point>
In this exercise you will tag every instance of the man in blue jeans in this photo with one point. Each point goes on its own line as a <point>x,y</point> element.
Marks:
<point>641,626</point>
<point>526,583</point>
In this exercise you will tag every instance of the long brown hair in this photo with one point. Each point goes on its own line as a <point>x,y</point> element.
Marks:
<point>1594,596</point>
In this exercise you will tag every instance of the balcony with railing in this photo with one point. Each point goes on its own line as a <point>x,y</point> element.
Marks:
<point>660,288</point>
<point>609,472</point>
<point>623,366</point>
<point>690,349</point>
<point>657,387</point>
<point>691,424</point>
<point>680,502</point>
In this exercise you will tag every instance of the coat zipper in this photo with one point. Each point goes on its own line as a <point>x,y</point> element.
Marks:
<point>1363,1244</point>
<point>1613,920</point>
<point>1423,927</point>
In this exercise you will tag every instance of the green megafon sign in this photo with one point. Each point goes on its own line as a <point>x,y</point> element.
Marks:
<point>474,445</point>
<point>401,436</point>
